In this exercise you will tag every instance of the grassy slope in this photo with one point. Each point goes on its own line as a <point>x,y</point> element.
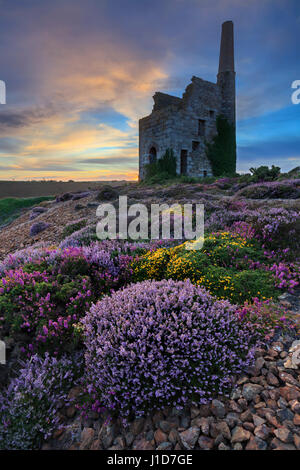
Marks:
<point>11,207</point>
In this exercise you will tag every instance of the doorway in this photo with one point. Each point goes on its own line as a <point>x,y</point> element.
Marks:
<point>183,162</point>
<point>152,155</point>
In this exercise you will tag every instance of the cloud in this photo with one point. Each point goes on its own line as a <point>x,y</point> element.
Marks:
<point>25,117</point>
<point>106,160</point>
<point>75,80</point>
<point>281,153</point>
<point>79,75</point>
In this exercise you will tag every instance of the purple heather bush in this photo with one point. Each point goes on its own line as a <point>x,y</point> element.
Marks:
<point>267,316</point>
<point>33,254</point>
<point>82,195</point>
<point>273,227</point>
<point>163,343</point>
<point>29,406</point>
<point>39,209</point>
<point>37,228</point>
<point>285,189</point>
<point>40,253</point>
<point>45,292</point>
<point>36,255</point>
<point>287,276</point>
<point>278,227</point>
<point>243,229</point>
<point>87,236</point>
<point>224,216</point>
<point>64,197</point>
<point>36,211</point>
<point>80,237</point>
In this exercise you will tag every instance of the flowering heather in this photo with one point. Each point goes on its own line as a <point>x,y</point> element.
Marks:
<point>224,217</point>
<point>96,253</point>
<point>81,195</point>
<point>81,237</point>
<point>36,211</point>
<point>34,254</point>
<point>266,316</point>
<point>29,406</point>
<point>87,235</point>
<point>37,228</point>
<point>285,189</point>
<point>47,291</point>
<point>243,229</point>
<point>287,276</point>
<point>272,226</point>
<point>166,343</point>
<point>42,309</point>
<point>278,227</point>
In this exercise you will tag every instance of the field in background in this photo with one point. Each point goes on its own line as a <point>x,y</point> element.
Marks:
<point>46,188</point>
<point>10,208</point>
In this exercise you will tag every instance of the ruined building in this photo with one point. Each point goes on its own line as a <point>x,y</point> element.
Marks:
<point>185,124</point>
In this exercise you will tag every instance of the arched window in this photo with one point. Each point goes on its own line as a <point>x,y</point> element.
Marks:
<point>152,155</point>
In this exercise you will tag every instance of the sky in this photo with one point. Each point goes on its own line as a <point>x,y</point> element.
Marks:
<point>80,73</point>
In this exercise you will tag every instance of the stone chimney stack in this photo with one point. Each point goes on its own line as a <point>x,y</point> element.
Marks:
<point>226,62</point>
<point>226,74</point>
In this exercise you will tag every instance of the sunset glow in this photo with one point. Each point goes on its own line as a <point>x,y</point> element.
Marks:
<point>79,75</point>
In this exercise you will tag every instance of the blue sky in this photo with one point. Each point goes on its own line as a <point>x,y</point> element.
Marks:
<point>79,75</point>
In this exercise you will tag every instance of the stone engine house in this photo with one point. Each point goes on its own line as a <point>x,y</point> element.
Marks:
<point>185,124</point>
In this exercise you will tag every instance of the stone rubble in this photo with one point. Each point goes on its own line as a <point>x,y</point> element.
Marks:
<point>263,412</point>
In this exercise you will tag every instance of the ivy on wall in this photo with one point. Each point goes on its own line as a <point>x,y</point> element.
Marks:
<point>221,152</point>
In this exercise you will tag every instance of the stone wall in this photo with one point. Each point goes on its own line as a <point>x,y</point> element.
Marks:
<point>174,122</point>
<point>162,100</point>
<point>155,131</point>
<point>176,126</point>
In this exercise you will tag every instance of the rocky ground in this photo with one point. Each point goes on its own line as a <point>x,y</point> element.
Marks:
<point>16,236</point>
<point>262,413</point>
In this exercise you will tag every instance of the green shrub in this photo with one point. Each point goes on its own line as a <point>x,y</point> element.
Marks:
<point>163,168</point>
<point>224,266</point>
<point>107,193</point>
<point>246,178</point>
<point>252,284</point>
<point>151,265</point>
<point>158,178</point>
<point>264,173</point>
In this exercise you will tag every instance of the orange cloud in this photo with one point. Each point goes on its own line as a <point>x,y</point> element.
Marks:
<point>77,79</point>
